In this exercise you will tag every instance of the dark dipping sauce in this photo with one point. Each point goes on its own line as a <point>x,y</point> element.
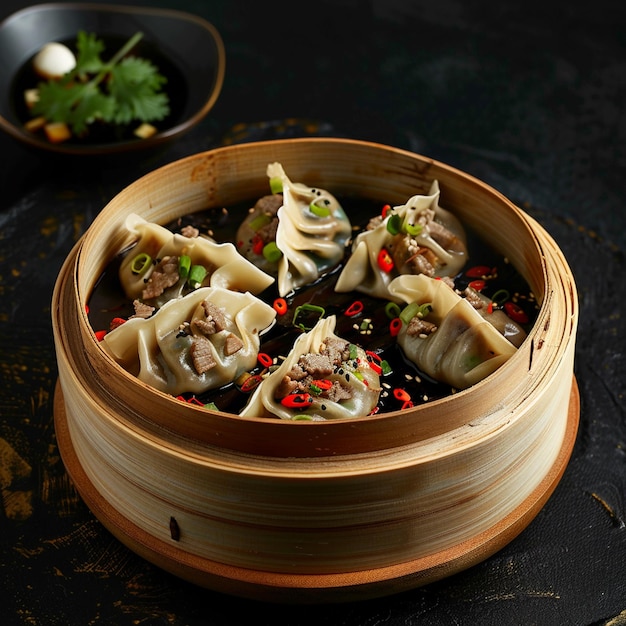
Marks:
<point>369,329</point>
<point>100,132</point>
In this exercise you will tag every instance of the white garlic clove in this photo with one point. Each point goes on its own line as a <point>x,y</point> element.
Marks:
<point>54,60</point>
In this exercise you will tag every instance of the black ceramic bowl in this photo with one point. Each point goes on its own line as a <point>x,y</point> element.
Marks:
<point>187,50</point>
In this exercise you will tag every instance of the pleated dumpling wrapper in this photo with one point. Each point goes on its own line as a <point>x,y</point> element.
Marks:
<point>445,336</point>
<point>298,233</point>
<point>195,343</point>
<point>163,265</point>
<point>418,237</point>
<point>324,377</point>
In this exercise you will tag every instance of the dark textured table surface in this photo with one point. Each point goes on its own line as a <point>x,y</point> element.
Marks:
<point>530,99</point>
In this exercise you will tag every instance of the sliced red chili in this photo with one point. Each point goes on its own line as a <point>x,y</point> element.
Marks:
<point>323,383</point>
<point>407,405</point>
<point>115,322</point>
<point>478,271</point>
<point>478,284</point>
<point>297,400</point>
<point>100,334</point>
<point>377,368</point>
<point>251,383</point>
<point>257,245</point>
<point>385,211</point>
<point>280,306</point>
<point>394,326</point>
<point>354,309</point>
<point>265,359</point>
<point>385,262</point>
<point>515,312</point>
<point>373,355</point>
<point>194,400</point>
<point>401,394</point>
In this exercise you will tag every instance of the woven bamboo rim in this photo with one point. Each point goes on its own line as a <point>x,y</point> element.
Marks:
<point>433,488</point>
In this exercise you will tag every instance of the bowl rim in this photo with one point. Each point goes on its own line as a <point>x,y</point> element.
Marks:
<point>159,138</point>
<point>376,425</point>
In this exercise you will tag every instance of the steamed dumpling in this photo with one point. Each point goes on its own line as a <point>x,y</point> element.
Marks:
<point>445,336</point>
<point>198,342</point>
<point>296,235</point>
<point>323,378</point>
<point>151,270</point>
<point>418,237</point>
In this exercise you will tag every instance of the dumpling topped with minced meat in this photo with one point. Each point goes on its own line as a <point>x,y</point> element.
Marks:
<point>296,234</point>
<point>324,377</point>
<point>418,237</point>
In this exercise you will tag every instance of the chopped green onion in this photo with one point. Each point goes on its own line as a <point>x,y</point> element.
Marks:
<point>413,229</point>
<point>415,309</point>
<point>392,310</point>
<point>353,351</point>
<point>259,221</point>
<point>197,274</point>
<point>319,211</point>
<point>211,405</point>
<point>184,265</point>
<point>409,312</point>
<point>141,263</point>
<point>271,252</point>
<point>500,297</point>
<point>394,224</point>
<point>386,368</point>
<point>314,389</point>
<point>424,309</point>
<point>314,312</point>
<point>276,184</point>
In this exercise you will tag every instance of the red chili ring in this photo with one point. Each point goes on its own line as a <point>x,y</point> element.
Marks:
<point>100,334</point>
<point>354,309</point>
<point>478,284</point>
<point>265,359</point>
<point>251,383</point>
<point>515,312</point>
<point>478,271</point>
<point>394,326</point>
<point>402,395</point>
<point>297,400</point>
<point>280,306</point>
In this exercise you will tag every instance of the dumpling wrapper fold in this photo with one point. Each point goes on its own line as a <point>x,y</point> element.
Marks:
<point>464,349</point>
<point>226,267</point>
<point>362,271</point>
<point>157,352</point>
<point>365,390</point>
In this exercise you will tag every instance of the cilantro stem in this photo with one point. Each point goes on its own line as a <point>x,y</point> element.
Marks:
<point>115,59</point>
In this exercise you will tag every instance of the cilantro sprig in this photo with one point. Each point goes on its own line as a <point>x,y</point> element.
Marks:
<point>119,91</point>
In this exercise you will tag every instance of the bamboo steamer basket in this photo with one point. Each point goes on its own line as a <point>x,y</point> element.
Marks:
<point>306,512</point>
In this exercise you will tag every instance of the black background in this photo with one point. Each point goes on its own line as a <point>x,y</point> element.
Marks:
<point>529,97</point>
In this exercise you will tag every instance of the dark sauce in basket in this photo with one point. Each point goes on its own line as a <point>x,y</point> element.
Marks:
<point>176,89</point>
<point>369,329</point>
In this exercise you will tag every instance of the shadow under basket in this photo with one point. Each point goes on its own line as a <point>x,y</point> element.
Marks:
<point>311,512</point>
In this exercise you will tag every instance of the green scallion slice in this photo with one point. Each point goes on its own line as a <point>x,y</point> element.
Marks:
<point>319,210</point>
<point>276,184</point>
<point>140,264</point>
<point>184,265</point>
<point>197,274</point>
<point>271,252</point>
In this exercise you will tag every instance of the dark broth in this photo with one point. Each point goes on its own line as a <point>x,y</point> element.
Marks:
<point>370,328</point>
<point>100,133</point>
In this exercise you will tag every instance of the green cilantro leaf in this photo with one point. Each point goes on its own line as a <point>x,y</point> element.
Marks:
<point>120,91</point>
<point>88,48</point>
<point>135,85</point>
